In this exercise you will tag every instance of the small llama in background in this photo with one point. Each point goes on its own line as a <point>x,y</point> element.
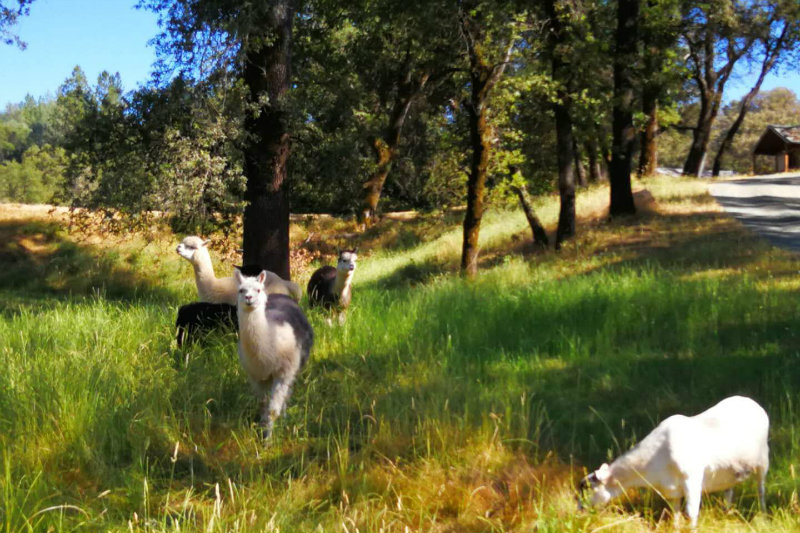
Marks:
<point>331,288</point>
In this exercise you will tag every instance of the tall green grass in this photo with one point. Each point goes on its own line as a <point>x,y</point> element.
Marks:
<point>441,404</point>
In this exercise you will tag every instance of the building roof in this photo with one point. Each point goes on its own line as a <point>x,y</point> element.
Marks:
<point>777,139</point>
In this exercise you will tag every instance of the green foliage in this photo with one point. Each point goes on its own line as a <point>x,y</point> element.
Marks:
<point>37,179</point>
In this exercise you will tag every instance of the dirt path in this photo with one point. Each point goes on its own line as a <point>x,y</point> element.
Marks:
<point>769,205</point>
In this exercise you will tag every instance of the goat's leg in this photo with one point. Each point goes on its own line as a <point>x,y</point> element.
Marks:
<point>675,507</point>
<point>693,492</point>
<point>762,500</point>
<point>728,499</point>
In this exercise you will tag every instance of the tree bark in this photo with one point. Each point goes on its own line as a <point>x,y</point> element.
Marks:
<point>624,132</point>
<point>539,234</point>
<point>771,55</point>
<point>384,154</point>
<point>580,170</point>
<point>565,156</point>
<point>476,184</point>
<point>595,166</point>
<point>711,83</point>
<point>696,159</point>
<point>266,73</point>
<point>385,148</point>
<point>483,77</point>
<point>648,154</point>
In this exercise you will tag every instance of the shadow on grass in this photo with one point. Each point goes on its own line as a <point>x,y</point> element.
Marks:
<point>404,234</point>
<point>38,262</point>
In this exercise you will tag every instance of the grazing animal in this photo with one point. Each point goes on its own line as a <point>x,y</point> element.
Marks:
<point>330,287</point>
<point>203,316</point>
<point>685,456</point>
<point>275,340</point>
<point>212,289</point>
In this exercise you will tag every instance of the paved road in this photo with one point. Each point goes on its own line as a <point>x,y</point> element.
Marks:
<point>769,205</point>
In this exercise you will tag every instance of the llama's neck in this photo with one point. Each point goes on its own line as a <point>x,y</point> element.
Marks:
<point>253,328</point>
<point>343,280</point>
<point>203,269</point>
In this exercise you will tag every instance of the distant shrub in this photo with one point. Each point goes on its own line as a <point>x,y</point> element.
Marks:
<point>36,178</point>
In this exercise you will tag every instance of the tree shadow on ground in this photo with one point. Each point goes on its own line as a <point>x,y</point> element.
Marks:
<point>40,262</point>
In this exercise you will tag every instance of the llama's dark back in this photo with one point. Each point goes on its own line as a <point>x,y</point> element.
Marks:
<point>320,287</point>
<point>204,316</point>
<point>250,270</point>
<point>282,309</point>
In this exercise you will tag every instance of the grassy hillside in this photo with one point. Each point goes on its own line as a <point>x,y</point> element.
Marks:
<point>441,405</point>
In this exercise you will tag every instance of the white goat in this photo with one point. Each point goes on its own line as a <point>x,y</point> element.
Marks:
<point>686,456</point>
<point>212,289</point>
<point>275,340</point>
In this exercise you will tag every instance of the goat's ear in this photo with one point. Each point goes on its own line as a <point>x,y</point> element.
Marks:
<point>262,277</point>
<point>603,473</point>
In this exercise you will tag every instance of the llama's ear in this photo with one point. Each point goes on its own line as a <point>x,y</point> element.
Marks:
<point>262,277</point>
<point>603,473</point>
<point>355,250</point>
<point>238,276</point>
<point>206,242</point>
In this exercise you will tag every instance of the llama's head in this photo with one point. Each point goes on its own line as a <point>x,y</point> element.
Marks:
<point>251,290</point>
<point>347,260</point>
<point>598,486</point>
<point>190,246</point>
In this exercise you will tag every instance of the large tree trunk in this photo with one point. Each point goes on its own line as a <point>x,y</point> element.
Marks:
<point>476,184</point>
<point>696,159</point>
<point>566,175</point>
<point>266,73</point>
<point>565,155</point>
<point>648,154</point>
<point>483,77</point>
<point>624,132</point>
<point>711,83</point>
<point>384,154</point>
<point>386,148</point>
<point>770,56</point>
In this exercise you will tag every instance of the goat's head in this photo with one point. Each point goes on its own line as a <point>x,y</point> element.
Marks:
<point>190,245</point>
<point>347,260</point>
<point>251,290</point>
<point>595,486</point>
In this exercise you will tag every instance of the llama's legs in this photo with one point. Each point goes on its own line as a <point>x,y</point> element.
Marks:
<point>273,405</point>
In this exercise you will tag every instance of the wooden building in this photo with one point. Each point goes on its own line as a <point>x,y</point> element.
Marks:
<point>782,143</point>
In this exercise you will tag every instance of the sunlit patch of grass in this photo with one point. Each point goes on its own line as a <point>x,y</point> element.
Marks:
<point>440,405</point>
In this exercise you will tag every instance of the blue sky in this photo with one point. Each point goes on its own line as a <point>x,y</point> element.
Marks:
<point>111,35</point>
<point>95,34</point>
